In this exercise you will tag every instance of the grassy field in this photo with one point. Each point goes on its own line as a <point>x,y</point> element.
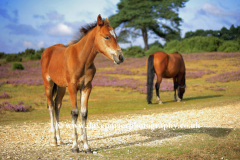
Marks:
<point>212,81</point>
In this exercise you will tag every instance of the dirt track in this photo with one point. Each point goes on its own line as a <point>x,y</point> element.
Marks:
<point>31,140</point>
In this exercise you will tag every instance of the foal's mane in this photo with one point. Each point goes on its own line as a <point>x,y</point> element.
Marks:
<point>84,30</point>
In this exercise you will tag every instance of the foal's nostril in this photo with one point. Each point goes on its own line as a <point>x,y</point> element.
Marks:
<point>121,58</point>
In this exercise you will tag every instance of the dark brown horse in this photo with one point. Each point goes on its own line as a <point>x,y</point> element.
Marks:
<point>73,67</point>
<point>166,66</point>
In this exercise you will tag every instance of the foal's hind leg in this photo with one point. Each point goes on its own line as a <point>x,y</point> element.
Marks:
<point>157,86</point>
<point>58,103</point>
<point>50,104</point>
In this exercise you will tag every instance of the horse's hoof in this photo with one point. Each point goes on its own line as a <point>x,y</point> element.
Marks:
<point>160,102</point>
<point>149,102</point>
<point>60,143</point>
<point>75,150</point>
<point>89,151</point>
<point>53,143</point>
<point>179,100</point>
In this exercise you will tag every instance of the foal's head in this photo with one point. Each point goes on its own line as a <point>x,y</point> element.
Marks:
<point>106,41</point>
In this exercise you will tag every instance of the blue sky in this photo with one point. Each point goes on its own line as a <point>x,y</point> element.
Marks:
<point>35,24</point>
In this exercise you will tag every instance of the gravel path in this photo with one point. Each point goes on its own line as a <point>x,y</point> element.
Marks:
<point>31,140</point>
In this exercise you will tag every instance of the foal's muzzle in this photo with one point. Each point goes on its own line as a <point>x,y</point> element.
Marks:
<point>118,58</point>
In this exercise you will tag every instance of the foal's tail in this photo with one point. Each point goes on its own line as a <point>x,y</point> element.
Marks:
<point>150,77</point>
<point>54,91</point>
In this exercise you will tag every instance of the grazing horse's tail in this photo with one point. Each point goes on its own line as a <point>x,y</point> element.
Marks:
<point>150,77</point>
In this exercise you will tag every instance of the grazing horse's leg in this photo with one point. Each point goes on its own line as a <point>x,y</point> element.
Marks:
<point>50,104</point>
<point>74,114</point>
<point>157,86</point>
<point>179,78</point>
<point>175,87</point>
<point>85,92</point>
<point>58,103</point>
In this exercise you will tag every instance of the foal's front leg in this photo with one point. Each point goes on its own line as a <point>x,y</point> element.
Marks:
<point>85,92</point>
<point>74,114</point>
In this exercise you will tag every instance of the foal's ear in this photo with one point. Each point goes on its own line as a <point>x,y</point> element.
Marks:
<point>100,21</point>
<point>106,20</point>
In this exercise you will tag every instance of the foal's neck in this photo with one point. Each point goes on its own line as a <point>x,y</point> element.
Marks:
<point>87,48</point>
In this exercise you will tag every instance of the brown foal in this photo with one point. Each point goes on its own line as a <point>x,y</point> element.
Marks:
<point>73,67</point>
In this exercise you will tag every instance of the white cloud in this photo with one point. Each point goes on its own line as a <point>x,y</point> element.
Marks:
<point>60,29</point>
<point>211,9</point>
<point>28,44</point>
<point>214,10</point>
<point>54,15</point>
<point>40,44</point>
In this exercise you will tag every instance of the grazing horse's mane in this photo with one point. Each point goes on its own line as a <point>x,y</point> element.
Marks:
<point>84,30</point>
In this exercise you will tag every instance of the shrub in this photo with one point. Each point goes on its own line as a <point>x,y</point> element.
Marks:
<point>2,55</point>
<point>133,51</point>
<point>229,46</point>
<point>13,58</point>
<point>37,55</point>
<point>6,106</point>
<point>171,46</point>
<point>152,50</point>
<point>5,95</point>
<point>156,43</point>
<point>193,44</point>
<point>29,52</point>
<point>16,65</point>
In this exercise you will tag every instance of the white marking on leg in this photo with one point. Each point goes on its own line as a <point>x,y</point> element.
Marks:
<point>75,145</point>
<point>52,120</point>
<point>74,136</point>
<point>113,33</point>
<point>83,97</point>
<point>159,100</point>
<point>52,130</point>
<point>84,112</point>
<point>85,146</point>
<point>48,78</point>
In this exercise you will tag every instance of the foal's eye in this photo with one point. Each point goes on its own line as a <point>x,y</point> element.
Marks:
<point>107,38</point>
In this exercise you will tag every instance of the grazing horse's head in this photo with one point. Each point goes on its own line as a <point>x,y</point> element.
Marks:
<point>182,89</point>
<point>106,41</point>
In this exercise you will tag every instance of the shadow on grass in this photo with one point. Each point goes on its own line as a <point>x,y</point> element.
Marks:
<point>201,97</point>
<point>191,98</point>
<point>161,134</point>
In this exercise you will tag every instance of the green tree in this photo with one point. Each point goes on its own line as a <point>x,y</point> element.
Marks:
<point>139,18</point>
<point>233,32</point>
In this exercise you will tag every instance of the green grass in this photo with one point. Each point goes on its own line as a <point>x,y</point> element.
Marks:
<point>203,143</point>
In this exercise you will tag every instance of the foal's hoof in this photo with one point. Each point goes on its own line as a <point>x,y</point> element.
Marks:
<point>53,143</point>
<point>179,100</point>
<point>75,150</point>
<point>60,143</point>
<point>89,151</point>
<point>149,102</point>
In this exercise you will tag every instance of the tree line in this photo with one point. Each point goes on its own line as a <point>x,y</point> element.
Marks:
<point>28,54</point>
<point>233,33</point>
